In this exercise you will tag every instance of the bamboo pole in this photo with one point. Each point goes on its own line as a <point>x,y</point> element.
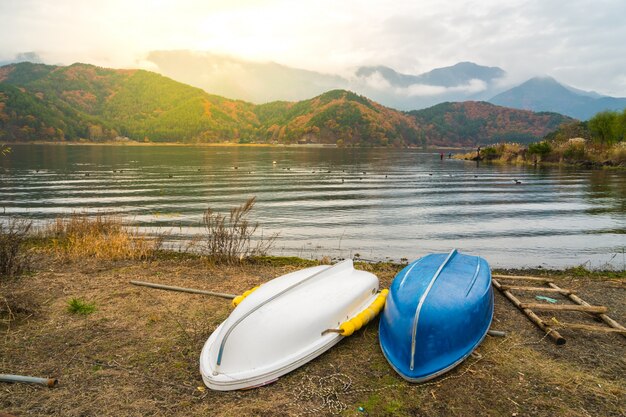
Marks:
<point>569,307</point>
<point>608,320</point>
<point>591,328</point>
<point>554,335</point>
<point>522,277</point>
<point>537,289</point>
<point>182,289</point>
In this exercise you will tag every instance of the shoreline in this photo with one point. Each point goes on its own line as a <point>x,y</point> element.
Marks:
<point>145,343</point>
<point>222,144</point>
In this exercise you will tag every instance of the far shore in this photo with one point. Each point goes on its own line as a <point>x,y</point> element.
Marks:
<point>222,144</point>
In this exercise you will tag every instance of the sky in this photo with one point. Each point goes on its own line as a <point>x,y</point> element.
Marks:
<point>580,43</point>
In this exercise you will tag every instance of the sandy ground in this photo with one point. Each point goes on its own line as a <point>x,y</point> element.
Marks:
<point>137,354</point>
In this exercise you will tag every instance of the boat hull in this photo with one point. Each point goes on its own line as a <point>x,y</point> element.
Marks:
<point>438,311</point>
<point>282,324</point>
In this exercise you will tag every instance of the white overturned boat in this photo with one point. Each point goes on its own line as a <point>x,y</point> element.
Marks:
<point>287,322</point>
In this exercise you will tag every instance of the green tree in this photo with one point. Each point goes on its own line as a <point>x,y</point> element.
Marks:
<point>603,127</point>
<point>539,148</point>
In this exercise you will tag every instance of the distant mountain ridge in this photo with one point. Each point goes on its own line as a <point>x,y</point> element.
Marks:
<point>56,103</point>
<point>547,94</point>
<point>263,82</point>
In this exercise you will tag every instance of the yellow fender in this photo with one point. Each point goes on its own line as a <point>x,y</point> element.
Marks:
<point>240,298</point>
<point>355,323</point>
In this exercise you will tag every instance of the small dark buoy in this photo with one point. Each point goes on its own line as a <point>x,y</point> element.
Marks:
<point>87,174</point>
<point>329,171</point>
<point>236,167</point>
<point>517,182</point>
<point>342,180</point>
<point>170,176</point>
<point>121,170</point>
<point>37,171</point>
<point>364,172</point>
<point>475,176</point>
<point>360,178</point>
<point>430,175</point>
<point>385,176</point>
<point>288,169</point>
<point>199,169</point>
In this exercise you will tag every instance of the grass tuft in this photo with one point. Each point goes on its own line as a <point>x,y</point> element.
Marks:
<point>14,258</point>
<point>229,238</point>
<point>102,237</point>
<point>78,306</point>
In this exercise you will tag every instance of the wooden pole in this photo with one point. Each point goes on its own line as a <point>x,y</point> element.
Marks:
<point>608,320</point>
<point>521,277</point>
<point>569,307</point>
<point>554,335</point>
<point>591,328</point>
<point>536,289</point>
<point>182,289</point>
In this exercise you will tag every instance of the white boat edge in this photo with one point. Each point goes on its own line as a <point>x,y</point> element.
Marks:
<point>220,381</point>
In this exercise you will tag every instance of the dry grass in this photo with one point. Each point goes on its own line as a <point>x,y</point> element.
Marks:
<point>137,354</point>
<point>228,238</point>
<point>80,236</point>
<point>15,258</point>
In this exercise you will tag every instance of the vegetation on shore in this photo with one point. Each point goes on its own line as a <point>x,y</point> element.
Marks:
<point>601,141</point>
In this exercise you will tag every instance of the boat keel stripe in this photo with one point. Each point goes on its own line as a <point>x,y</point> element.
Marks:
<point>421,303</point>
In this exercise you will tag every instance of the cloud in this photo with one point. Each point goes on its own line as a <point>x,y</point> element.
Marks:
<point>580,44</point>
<point>378,82</point>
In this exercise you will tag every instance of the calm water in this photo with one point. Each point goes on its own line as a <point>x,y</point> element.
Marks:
<point>339,202</point>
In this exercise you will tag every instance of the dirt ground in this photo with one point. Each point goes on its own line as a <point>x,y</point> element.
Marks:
<point>137,354</point>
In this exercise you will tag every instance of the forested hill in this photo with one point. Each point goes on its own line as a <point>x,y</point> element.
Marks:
<point>81,101</point>
<point>477,122</point>
<point>84,101</point>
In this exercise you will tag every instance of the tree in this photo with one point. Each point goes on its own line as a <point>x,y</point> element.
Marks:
<point>539,148</point>
<point>603,127</point>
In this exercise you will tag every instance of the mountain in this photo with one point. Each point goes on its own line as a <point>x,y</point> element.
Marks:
<point>460,82</point>
<point>471,123</point>
<point>547,94</point>
<point>100,103</point>
<point>84,101</point>
<point>338,115</point>
<point>262,82</point>
<point>258,82</point>
<point>45,102</point>
<point>456,75</point>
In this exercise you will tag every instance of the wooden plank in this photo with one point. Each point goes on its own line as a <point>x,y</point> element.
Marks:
<point>182,289</point>
<point>522,277</point>
<point>608,320</point>
<point>536,289</point>
<point>568,307</point>
<point>554,335</point>
<point>591,328</point>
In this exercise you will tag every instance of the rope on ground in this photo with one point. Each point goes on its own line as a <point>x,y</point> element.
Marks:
<point>329,389</point>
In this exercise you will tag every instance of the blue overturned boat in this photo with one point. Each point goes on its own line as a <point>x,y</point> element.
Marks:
<point>438,310</point>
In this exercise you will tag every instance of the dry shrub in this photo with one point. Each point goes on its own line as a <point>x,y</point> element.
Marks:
<point>14,257</point>
<point>229,237</point>
<point>617,153</point>
<point>102,237</point>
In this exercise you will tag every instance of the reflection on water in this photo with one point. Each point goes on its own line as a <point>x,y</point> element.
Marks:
<point>339,202</point>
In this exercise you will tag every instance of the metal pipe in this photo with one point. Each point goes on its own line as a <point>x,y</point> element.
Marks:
<point>496,333</point>
<point>49,382</point>
<point>182,289</point>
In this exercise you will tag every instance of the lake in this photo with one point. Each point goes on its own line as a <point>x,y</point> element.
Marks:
<point>376,204</point>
